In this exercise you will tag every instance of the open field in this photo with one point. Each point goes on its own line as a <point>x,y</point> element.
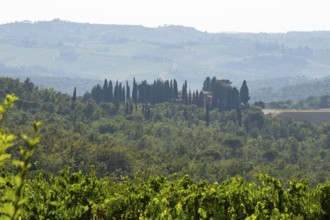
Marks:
<point>316,116</point>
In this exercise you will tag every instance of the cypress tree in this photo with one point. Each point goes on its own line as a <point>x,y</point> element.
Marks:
<point>235,100</point>
<point>244,94</point>
<point>128,92</point>
<point>175,89</point>
<point>171,91</point>
<point>194,98</point>
<point>207,115</point>
<point>189,98</point>
<point>134,92</point>
<point>96,93</point>
<point>122,94</point>
<point>236,105</point>
<point>186,90</point>
<point>214,99</point>
<point>184,93</point>
<point>74,97</point>
<point>167,91</point>
<point>116,93</point>
<point>207,84</point>
<point>201,99</point>
<point>105,90</point>
<point>197,98</point>
<point>110,92</point>
<point>213,84</point>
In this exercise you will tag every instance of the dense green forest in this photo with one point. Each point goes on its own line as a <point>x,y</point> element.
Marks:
<point>147,159</point>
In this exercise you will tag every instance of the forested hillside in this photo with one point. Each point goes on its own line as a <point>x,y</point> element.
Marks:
<point>156,156</point>
<point>165,138</point>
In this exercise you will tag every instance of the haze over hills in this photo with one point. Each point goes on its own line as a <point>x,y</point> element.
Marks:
<point>63,54</point>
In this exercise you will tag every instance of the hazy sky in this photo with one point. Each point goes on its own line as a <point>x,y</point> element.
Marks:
<point>205,15</point>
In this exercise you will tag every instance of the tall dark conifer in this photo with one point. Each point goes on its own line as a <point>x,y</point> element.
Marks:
<point>110,92</point>
<point>185,93</point>
<point>97,93</point>
<point>135,92</point>
<point>128,91</point>
<point>74,97</point>
<point>207,113</point>
<point>122,93</point>
<point>171,91</point>
<point>207,84</point>
<point>189,98</point>
<point>175,89</point>
<point>236,104</point>
<point>244,94</point>
<point>105,90</point>
<point>201,99</point>
<point>116,93</point>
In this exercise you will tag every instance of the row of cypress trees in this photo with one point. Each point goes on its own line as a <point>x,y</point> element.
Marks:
<point>224,95</point>
<point>215,93</point>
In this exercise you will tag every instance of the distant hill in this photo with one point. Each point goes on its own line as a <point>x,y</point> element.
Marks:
<point>85,53</point>
<point>296,90</point>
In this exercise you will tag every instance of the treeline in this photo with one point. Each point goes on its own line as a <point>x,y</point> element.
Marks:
<point>216,93</point>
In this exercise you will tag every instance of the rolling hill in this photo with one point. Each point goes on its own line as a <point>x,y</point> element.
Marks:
<point>63,54</point>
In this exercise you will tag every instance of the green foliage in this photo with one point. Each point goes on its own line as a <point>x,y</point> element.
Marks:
<point>74,195</point>
<point>65,196</point>
<point>165,138</point>
<point>12,186</point>
<point>322,194</point>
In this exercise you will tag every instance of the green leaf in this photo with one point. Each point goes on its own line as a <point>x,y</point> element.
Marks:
<point>202,212</point>
<point>9,209</point>
<point>22,201</point>
<point>3,180</point>
<point>10,99</point>
<point>4,157</point>
<point>18,163</point>
<point>18,181</point>
<point>36,125</point>
<point>10,195</point>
